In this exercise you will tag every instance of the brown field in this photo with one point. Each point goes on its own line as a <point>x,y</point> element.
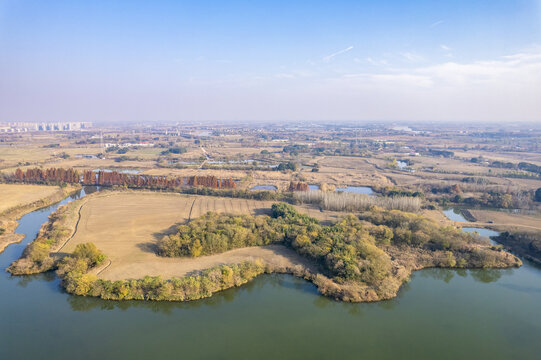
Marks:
<point>508,221</point>
<point>499,220</point>
<point>14,195</point>
<point>126,227</point>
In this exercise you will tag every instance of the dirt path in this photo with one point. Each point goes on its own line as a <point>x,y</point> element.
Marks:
<point>276,255</point>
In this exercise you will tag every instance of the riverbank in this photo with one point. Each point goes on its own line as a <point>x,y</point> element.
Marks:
<point>525,244</point>
<point>9,218</point>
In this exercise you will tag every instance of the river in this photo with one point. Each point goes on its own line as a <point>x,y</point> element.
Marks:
<point>439,314</point>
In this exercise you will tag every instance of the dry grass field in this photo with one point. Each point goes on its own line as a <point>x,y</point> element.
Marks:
<point>508,221</point>
<point>14,195</point>
<point>127,225</point>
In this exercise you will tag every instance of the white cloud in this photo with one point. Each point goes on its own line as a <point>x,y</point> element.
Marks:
<point>504,89</point>
<point>412,57</point>
<point>434,24</point>
<point>331,56</point>
<point>445,47</point>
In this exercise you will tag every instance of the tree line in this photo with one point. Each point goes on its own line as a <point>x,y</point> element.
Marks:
<point>298,186</point>
<point>53,175</point>
<point>112,178</point>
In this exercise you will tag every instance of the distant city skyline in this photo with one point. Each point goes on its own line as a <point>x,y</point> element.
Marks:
<point>275,61</point>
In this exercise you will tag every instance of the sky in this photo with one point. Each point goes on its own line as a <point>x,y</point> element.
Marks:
<point>270,61</point>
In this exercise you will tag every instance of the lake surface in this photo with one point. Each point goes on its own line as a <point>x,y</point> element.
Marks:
<point>357,190</point>
<point>439,314</point>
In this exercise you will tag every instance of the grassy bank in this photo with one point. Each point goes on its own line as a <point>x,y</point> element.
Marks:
<point>8,218</point>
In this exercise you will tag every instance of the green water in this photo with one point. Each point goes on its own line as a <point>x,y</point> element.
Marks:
<point>440,314</point>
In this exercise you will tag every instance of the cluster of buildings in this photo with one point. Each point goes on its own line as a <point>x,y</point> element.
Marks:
<point>18,127</point>
<point>128,145</point>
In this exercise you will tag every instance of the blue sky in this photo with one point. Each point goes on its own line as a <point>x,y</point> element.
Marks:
<point>270,61</point>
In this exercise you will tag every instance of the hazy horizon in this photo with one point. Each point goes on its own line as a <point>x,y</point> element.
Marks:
<point>303,61</point>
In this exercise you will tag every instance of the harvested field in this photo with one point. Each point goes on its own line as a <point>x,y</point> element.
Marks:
<point>507,220</point>
<point>126,227</point>
<point>15,195</point>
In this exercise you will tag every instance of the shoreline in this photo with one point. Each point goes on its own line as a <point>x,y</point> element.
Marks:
<point>12,216</point>
<point>327,287</point>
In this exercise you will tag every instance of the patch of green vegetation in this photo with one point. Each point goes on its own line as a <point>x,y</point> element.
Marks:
<point>174,150</point>
<point>287,166</point>
<point>537,196</point>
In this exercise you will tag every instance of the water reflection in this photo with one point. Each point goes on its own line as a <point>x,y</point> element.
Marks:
<point>23,281</point>
<point>479,275</point>
<point>486,275</point>
<point>389,304</point>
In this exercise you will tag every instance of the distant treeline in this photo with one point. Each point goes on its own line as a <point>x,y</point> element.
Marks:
<point>358,202</point>
<point>443,153</point>
<point>37,175</point>
<point>524,166</point>
<point>488,195</point>
<point>104,178</point>
<point>114,178</point>
<point>298,186</point>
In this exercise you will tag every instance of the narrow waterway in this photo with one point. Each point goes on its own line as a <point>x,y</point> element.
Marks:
<point>439,314</point>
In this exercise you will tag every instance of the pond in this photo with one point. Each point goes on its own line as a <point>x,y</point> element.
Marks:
<point>264,187</point>
<point>313,187</point>
<point>357,190</point>
<point>439,314</point>
<point>454,214</point>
